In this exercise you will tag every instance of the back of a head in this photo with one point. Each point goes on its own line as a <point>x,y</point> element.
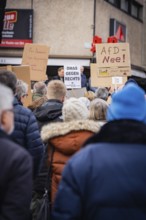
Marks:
<point>128,103</point>
<point>21,89</point>
<point>40,88</point>
<point>102,93</point>
<point>9,79</point>
<point>74,109</point>
<point>56,90</point>
<point>90,95</point>
<point>6,98</point>
<point>98,109</point>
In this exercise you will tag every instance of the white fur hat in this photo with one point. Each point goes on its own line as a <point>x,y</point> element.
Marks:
<point>86,101</point>
<point>74,109</point>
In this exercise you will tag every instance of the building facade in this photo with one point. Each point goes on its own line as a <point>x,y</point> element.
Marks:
<point>68,27</point>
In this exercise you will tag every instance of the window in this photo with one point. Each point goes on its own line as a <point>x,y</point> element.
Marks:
<point>131,7</point>
<point>125,5</point>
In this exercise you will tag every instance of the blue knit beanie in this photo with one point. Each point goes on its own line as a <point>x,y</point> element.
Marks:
<point>128,103</point>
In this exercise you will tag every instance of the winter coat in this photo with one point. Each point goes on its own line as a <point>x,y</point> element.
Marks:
<point>26,134</point>
<point>51,111</point>
<point>15,180</point>
<point>36,96</point>
<point>37,103</point>
<point>66,138</point>
<point>107,179</point>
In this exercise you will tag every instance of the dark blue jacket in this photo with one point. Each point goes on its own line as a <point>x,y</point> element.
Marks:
<point>83,80</point>
<point>15,180</point>
<point>107,179</point>
<point>26,134</point>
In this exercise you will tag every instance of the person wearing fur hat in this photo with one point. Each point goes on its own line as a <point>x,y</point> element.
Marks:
<point>107,179</point>
<point>66,138</point>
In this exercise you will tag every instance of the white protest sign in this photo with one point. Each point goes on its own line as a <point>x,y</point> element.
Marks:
<point>113,59</point>
<point>72,76</point>
<point>117,80</point>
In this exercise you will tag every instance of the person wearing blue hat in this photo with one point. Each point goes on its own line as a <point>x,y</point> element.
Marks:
<point>107,179</point>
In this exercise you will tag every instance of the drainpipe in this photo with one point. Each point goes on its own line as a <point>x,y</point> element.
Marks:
<point>94,27</point>
<point>31,4</point>
<point>94,18</point>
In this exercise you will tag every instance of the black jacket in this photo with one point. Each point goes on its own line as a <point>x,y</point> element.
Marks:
<point>51,111</point>
<point>26,134</point>
<point>15,180</point>
<point>107,179</point>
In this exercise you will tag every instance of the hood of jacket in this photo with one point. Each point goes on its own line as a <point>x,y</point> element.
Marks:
<point>49,111</point>
<point>62,128</point>
<point>121,131</point>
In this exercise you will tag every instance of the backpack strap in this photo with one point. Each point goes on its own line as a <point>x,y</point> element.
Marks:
<point>48,183</point>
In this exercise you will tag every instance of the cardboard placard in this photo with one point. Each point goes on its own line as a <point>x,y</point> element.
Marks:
<point>97,81</point>
<point>72,76</point>
<point>22,73</point>
<point>77,93</point>
<point>36,56</point>
<point>113,59</point>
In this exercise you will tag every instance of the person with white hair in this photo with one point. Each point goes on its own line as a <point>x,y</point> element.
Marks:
<point>97,111</point>
<point>102,93</point>
<point>39,90</point>
<point>16,166</point>
<point>39,96</point>
<point>21,90</point>
<point>65,139</point>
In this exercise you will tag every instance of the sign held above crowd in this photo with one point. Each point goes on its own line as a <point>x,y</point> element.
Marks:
<point>113,59</point>
<point>112,65</point>
<point>36,56</point>
<point>72,76</point>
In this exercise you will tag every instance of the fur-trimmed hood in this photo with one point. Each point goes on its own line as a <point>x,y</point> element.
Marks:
<point>62,128</point>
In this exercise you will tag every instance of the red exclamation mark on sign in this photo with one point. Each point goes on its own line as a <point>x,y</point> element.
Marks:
<point>123,58</point>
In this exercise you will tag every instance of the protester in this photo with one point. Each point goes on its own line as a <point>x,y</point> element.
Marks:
<point>26,131</point>
<point>16,166</point>
<point>106,180</point>
<point>65,139</point>
<point>51,111</point>
<point>39,95</point>
<point>60,75</point>
<point>39,90</point>
<point>97,111</point>
<point>102,93</point>
<point>83,77</point>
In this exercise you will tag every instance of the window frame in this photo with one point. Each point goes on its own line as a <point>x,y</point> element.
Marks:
<point>117,4</point>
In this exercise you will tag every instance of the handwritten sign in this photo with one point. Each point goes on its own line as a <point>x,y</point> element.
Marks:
<point>72,76</point>
<point>97,81</point>
<point>36,56</point>
<point>113,59</point>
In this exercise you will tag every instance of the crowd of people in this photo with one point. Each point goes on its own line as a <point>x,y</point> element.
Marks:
<point>87,155</point>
